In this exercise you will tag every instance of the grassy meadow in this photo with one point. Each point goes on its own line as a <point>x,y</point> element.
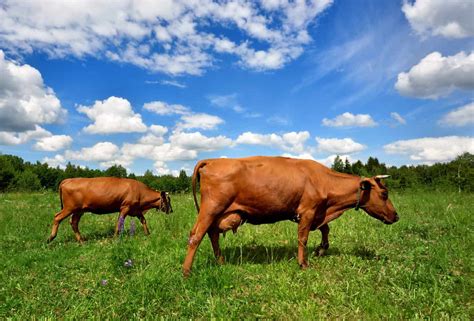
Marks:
<point>420,267</point>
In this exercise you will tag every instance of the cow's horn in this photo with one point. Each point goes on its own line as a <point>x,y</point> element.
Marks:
<point>382,176</point>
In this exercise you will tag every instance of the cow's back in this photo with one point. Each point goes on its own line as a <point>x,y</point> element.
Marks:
<point>259,185</point>
<point>100,194</point>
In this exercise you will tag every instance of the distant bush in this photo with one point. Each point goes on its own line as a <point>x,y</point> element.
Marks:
<point>458,175</point>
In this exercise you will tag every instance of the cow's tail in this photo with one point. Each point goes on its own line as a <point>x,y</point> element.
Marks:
<point>61,195</point>
<point>196,178</point>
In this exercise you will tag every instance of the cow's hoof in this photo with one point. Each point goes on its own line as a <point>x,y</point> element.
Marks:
<point>304,265</point>
<point>220,260</point>
<point>320,251</point>
<point>186,273</point>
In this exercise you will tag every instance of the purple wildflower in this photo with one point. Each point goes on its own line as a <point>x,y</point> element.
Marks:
<point>103,282</point>
<point>132,228</point>
<point>121,223</point>
<point>128,263</point>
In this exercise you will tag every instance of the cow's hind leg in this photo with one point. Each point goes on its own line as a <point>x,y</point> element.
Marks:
<point>204,221</point>
<point>57,220</point>
<point>76,217</point>
<point>324,245</point>
<point>214,236</point>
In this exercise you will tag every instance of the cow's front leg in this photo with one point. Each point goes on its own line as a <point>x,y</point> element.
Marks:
<point>124,211</point>
<point>304,227</point>
<point>145,226</point>
<point>324,245</point>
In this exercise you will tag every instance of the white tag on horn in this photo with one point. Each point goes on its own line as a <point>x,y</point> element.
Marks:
<point>382,176</point>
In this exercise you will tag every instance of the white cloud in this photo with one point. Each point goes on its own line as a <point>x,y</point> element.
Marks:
<point>292,142</point>
<point>279,120</point>
<point>12,138</point>
<point>25,101</point>
<point>174,37</point>
<point>437,76</point>
<point>350,120</point>
<point>112,115</point>
<point>173,83</point>
<point>339,146</point>
<point>431,149</point>
<point>299,156</point>
<point>396,116</point>
<point>459,117</point>
<point>199,142</point>
<point>328,161</point>
<point>155,135</point>
<point>199,121</point>
<point>56,161</point>
<point>100,152</point>
<point>450,19</point>
<point>163,108</point>
<point>53,143</point>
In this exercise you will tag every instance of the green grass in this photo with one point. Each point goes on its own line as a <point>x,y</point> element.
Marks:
<point>417,268</point>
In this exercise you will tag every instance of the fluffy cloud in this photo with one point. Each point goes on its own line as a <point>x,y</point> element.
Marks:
<point>459,117</point>
<point>328,161</point>
<point>189,119</point>
<point>436,76</point>
<point>199,121</point>
<point>173,37</point>
<point>398,118</point>
<point>430,149</point>
<point>11,138</point>
<point>100,152</point>
<point>163,108</point>
<point>53,143</point>
<point>56,161</point>
<point>199,142</point>
<point>339,146</point>
<point>25,101</point>
<point>292,142</point>
<point>451,19</point>
<point>112,115</point>
<point>350,120</point>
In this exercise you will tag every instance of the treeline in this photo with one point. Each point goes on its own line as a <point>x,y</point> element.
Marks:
<point>458,175</point>
<point>18,175</point>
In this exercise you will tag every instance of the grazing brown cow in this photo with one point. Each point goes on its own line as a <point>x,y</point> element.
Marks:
<point>260,190</point>
<point>103,195</point>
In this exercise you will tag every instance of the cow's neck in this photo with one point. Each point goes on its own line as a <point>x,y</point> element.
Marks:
<point>342,193</point>
<point>150,198</point>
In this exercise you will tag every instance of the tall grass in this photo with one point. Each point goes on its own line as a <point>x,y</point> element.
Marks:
<point>417,268</point>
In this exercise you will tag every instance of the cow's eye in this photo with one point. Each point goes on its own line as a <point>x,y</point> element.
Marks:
<point>385,195</point>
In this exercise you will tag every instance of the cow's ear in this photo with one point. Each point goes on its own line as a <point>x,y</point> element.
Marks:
<point>365,184</point>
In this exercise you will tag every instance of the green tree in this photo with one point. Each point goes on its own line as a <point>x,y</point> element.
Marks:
<point>183,183</point>
<point>7,173</point>
<point>27,181</point>
<point>116,171</point>
<point>347,166</point>
<point>338,164</point>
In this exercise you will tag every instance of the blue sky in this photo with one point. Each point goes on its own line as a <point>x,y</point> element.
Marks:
<point>158,85</point>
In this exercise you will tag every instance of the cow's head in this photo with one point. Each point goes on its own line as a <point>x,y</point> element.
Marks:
<point>164,203</point>
<point>374,200</point>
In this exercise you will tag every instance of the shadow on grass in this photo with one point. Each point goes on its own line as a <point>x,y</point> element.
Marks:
<point>261,254</point>
<point>367,254</point>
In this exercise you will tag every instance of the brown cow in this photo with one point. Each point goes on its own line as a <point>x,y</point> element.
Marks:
<point>261,190</point>
<point>103,195</point>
